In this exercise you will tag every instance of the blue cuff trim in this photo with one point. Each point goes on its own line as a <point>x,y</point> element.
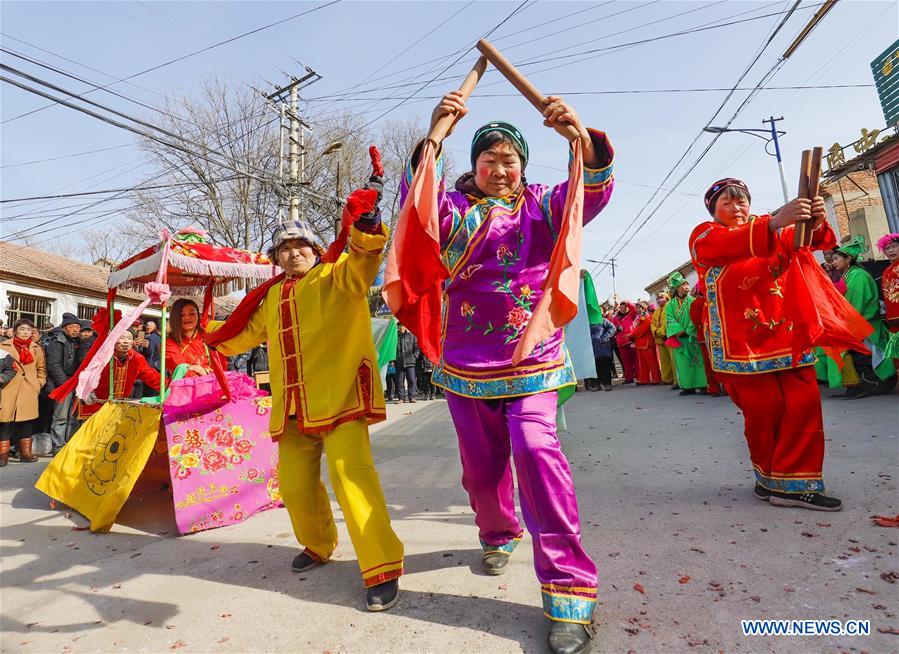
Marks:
<point>508,548</point>
<point>793,485</point>
<point>568,608</point>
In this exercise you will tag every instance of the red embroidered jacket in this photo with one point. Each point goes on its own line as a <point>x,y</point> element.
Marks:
<point>743,270</point>
<point>641,332</point>
<point>127,372</point>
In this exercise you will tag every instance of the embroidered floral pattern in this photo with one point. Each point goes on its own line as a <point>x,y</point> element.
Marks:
<point>220,448</point>
<point>470,270</point>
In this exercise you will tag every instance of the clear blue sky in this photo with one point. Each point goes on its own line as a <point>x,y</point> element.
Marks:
<point>349,41</point>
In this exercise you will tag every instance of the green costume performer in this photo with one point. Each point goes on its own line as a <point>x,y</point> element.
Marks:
<point>688,356</point>
<point>877,373</point>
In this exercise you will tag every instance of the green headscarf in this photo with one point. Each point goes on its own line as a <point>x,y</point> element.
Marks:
<point>854,248</point>
<point>675,280</point>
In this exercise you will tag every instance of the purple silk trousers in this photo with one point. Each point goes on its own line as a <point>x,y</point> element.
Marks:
<point>525,427</point>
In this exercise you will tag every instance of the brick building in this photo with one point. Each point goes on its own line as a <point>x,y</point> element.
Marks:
<point>860,192</point>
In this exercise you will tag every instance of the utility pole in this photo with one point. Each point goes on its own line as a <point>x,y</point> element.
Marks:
<point>611,263</point>
<point>296,137</point>
<point>780,164</point>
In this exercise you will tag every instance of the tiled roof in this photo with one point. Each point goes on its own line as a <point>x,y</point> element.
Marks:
<point>48,269</point>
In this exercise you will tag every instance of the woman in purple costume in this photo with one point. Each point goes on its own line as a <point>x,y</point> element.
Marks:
<point>497,234</point>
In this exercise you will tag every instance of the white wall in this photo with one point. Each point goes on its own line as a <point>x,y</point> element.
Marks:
<point>60,302</point>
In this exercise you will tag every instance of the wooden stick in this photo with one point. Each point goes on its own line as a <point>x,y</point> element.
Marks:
<point>809,181</point>
<point>814,175</point>
<point>438,132</point>
<point>800,227</point>
<point>520,82</point>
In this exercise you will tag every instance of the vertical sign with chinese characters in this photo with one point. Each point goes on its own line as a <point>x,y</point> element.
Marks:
<point>886,77</point>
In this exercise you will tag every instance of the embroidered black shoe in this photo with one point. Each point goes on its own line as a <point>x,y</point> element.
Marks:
<point>495,563</point>
<point>570,638</point>
<point>303,562</point>
<point>814,501</point>
<point>383,596</point>
<point>688,391</point>
<point>761,492</point>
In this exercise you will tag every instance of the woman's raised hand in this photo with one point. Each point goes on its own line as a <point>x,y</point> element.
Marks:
<point>451,104</point>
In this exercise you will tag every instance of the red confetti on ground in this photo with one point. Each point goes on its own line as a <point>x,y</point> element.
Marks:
<point>178,644</point>
<point>865,590</point>
<point>890,577</point>
<point>215,547</point>
<point>684,579</point>
<point>226,615</point>
<point>888,630</point>
<point>639,588</point>
<point>886,521</point>
<point>857,550</point>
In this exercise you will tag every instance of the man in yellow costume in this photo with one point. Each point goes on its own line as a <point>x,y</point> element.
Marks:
<point>658,328</point>
<point>326,389</point>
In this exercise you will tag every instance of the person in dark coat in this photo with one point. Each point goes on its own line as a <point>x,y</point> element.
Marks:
<point>258,360</point>
<point>407,353</point>
<point>62,347</point>
<point>151,347</point>
<point>602,335</point>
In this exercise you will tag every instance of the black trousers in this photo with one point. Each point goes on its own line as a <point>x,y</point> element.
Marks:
<point>604,370</point>
<point>392,392</point>
<point>14,431</point>
<point>405,380</point>
<point>429,388</point>
<point>870,382</point>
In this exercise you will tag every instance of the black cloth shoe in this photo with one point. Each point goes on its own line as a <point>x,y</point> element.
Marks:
<point>383,596</point>
<point>761,492</point>
<point>675,387</point>
<point>570,638</point>
<point>495,563</point>
<point>814,501</point>
<point>303,562</point>
<point>688,391</point>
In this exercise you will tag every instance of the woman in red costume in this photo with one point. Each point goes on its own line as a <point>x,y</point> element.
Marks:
<point>889,245</point>
<point>187,341</point>
<point>742,260</point>
<point>699,317</point>
<point>648,371</point>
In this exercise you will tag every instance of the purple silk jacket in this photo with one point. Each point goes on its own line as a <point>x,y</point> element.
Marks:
<point>497,251</point>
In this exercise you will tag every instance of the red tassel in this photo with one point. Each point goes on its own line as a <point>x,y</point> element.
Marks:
<point>358,203</point>
<point>377,169</point>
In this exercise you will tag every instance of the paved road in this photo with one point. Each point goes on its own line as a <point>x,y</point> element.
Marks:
<point>665,493</point>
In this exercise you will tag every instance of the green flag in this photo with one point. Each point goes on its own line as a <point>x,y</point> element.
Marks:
<point>594,313</point>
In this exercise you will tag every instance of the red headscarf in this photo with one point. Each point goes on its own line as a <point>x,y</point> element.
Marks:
<point>23,346</point>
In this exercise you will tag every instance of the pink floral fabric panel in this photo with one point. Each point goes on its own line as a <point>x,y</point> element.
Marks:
<point>224,464</point>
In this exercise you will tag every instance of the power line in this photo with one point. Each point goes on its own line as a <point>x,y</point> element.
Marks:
<point>113,190</point>
<point>230,162</point>
<point>459,58</point>
<point>194,53</point>
<point>604,51</point>
<point>65,156</point>
<point>137,187</point>
<point>633,91</point>
<point>686,153</point>
<point>95,86</point>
